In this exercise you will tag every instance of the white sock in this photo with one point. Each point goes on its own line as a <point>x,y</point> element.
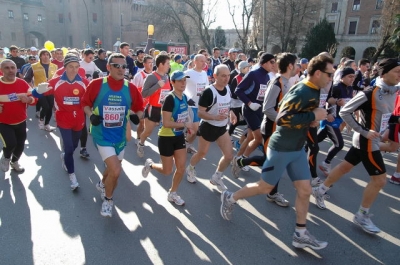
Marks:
<point>301,231</point>
<point>323,189</point>
<point>231,199</point>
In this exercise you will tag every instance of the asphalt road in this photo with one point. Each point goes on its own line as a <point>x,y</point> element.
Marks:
<point>43,222</point>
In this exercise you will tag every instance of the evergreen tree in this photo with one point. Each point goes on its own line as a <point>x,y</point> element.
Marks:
<point>320,38</point>
<point>219,38</point>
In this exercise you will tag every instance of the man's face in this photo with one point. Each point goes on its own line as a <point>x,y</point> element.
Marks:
<point>364,67</point>
<point>304,66</point>
<point>232,56</point>
<point>125,50</point>
<point>164,67</point>
<point>217,53</point>
<point>392,77</point>
<point>9,70</point>
<point>140,56</point>
<point>179,85</point>
<point>148,65</point>
<point>102,55</point>
<point>200,62</point>
<point>354,66</point>
<point>34,53</point>
<point>32,60</point>
<point>269,66</point>
<point>348,79</point>
<point>293,69</point>
<point>72,69</point>
<point>88,58</point>
<point>116,71</point>
<point>45,57</point>
<point>326,76</point>
<point>14,53</point>
<point>59,55</point>
<point>222,78</point>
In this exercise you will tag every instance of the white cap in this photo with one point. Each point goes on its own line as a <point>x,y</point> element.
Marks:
<point>33,49</point>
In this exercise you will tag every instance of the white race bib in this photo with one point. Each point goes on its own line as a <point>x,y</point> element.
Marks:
<point>200,88</point>
<point>163,94</point>
<point>322,100</point>
<point>223,109</point>
<point>384,122</point>
<point>182,117</point>
<point>113,116</point>
<point>261,92</point>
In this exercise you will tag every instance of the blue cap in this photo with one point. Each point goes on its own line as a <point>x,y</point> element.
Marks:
<point>304,60</point>
<point>178,75</point>
<point>177,57</point>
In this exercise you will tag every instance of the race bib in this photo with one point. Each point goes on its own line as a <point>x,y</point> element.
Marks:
<point>113,116</point>
<point>384,122</point>
<point>163,94</point>
<point>223,109</point>
<point>71,101</point>
<point>261,92</point>
<point>200,88</point>
<point>182,117</point>
<point>322,100</point>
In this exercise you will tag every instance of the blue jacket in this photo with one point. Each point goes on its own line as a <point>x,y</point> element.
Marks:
<point>247,90</point>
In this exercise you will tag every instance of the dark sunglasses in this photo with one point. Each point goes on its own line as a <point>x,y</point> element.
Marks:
<point>118,66</point>
<point>329,74</point>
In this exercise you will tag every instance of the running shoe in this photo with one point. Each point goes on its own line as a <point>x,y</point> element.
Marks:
<point>63,162</point>
<point>236,144</point>
<point>307,240</point>
<point>17,167</point>
<point>107,208</point>
<point>315,182</point>
<point>100,187</point>
<point>140,149</point>
<point>147,167</point>
<point>319,199</point>
<point>325,168</point>
<point>278,199</point>
<point>190,149</point>
<point>226,206</point>
<point>74,181</point>
<point>246,168</point>
<point>84,153</point>
<point>41,124</point>
<point>191,174</point>
<point>216,180</point>
<point>364,221</point>
<point>394,180</point>
<point>235,167</point>
<point>37,115</point>
<point>4,163</point>
<point>49,128</point>
<point>175,198</point>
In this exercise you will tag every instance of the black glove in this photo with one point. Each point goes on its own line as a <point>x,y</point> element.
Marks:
<point>191,102</point>
<point>134,118</point>
<point>95,119</point>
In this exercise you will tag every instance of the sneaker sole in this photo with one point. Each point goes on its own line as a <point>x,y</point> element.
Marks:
<point>74,187</point>
<point>302,245</point>
<point>221,208</point>
<point>394,182</point>
<point>192,182</point>
<point>218,187</point>
<point>172,201</point>
<point>277,203</point>
<point>362,227</point>
<point>106,215</point>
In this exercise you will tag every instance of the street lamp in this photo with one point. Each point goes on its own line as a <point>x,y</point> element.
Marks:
<point>150,32</point>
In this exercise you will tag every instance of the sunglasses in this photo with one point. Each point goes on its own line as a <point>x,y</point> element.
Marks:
<point>329,74</point>
<point>118,66</point>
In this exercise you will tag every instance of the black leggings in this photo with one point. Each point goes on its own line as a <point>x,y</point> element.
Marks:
<point>84,135</point>
<point>336,137</point>
<point>13,137</point>
<point>313,149</point>
<point>47,104</point>
<point>238,113</point>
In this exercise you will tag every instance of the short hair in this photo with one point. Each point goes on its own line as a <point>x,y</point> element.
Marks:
<point>215,49</point>
<point>348,63</point>
<point>162,59</point>
<point>218,68</point>
<point>115,55</point>
<point>123,45</point>
<point>197,56</point>
<point>147,57</point>
<point>363,61</point>
<point>88,52</point>
<point>318,62</point>
<point>13,47</point>
<point>284,60</point>
<point>151,50</point>
<point>201,51</point>
<point>7,61</point>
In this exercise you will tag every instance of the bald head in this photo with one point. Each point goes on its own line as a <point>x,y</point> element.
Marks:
<point>199,62</point>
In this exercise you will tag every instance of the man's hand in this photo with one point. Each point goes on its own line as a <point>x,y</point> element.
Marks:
<point>254,106</point>
<point>314,124</point>
<point>25,99</point>
<point>161,83</point>
<point>372,135</point>
<point>340,102</point>
<point>330,118</point>
<point>95,119</point>
<point>320,114</point>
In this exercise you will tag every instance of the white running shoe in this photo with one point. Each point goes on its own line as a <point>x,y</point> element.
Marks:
<point>147,167</point>
<point>175,198</point>
<point>74,182</point>
<point>246,168</point>
<point>226,206</point>
<point>325,168</point>
<point>307,240</point>
<point>106,208</point>
<point>364,221</point>
<point>140,149</point>
<point>4,163</point>
<point>191,174</point>
<point>100,187</point>
<point>217,181</point>
<point>315,182</point>
<point>235,167</point>
<point>17,167</point>
<point>49,128</point>
<point>41,124</point>
<point>319,199</point>
<point>278,199</point>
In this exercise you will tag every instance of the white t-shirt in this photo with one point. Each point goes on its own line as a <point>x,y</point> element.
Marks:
<point>89,68</point>
<point>195,85</point>
<point>293,80</point>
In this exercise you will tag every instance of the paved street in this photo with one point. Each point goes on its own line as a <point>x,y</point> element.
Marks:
<point>43,222</point>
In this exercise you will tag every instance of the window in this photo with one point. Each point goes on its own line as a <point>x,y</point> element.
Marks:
<point>10,14</point>
<point>332,24</point>
<point>334,7</point>
<point>375,26</point>
<point>352,27</point>
<point>26,17</point>
<point>39,18</point>
<point>61,18</point>
<point>356,5</point>
<point>94,17</point>
<point>379,4</point>
<point>13,37</point>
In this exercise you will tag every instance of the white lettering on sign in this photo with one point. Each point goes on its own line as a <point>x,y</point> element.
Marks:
<point>177,49</point>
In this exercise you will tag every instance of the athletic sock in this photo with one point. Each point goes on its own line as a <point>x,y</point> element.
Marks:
<point>323,189</point>
<point>301,231</point>
<point>363,210</point>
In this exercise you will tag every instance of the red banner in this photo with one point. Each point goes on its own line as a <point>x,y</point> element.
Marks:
<point>177,49</point>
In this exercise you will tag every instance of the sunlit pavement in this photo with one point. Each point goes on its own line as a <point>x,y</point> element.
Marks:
<point>43,222</point>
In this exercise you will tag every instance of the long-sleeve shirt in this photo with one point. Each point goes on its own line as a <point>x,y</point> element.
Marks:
<point>275,91</point>
<point>253,86</point>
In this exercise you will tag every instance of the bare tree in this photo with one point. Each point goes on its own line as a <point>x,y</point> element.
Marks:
<point>390,9</point>
<point>242,27</point>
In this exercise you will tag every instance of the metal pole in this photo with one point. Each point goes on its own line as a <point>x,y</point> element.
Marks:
<point>88,26</point>
<point>264,24</point>
<point>120,27</point>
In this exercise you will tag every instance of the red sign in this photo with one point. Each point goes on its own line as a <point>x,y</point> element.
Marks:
<point>177,49</point>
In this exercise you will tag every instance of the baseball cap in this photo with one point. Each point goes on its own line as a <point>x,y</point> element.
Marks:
<point>232,50</point>
<point>243,64</point>
<point>303,61</point>
<point>139,52</point>
<point>33,49</point>
<point>178,75</point>
<point>177,57</point>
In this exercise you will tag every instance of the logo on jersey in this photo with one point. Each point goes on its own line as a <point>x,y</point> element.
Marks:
<point>75,91</point>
